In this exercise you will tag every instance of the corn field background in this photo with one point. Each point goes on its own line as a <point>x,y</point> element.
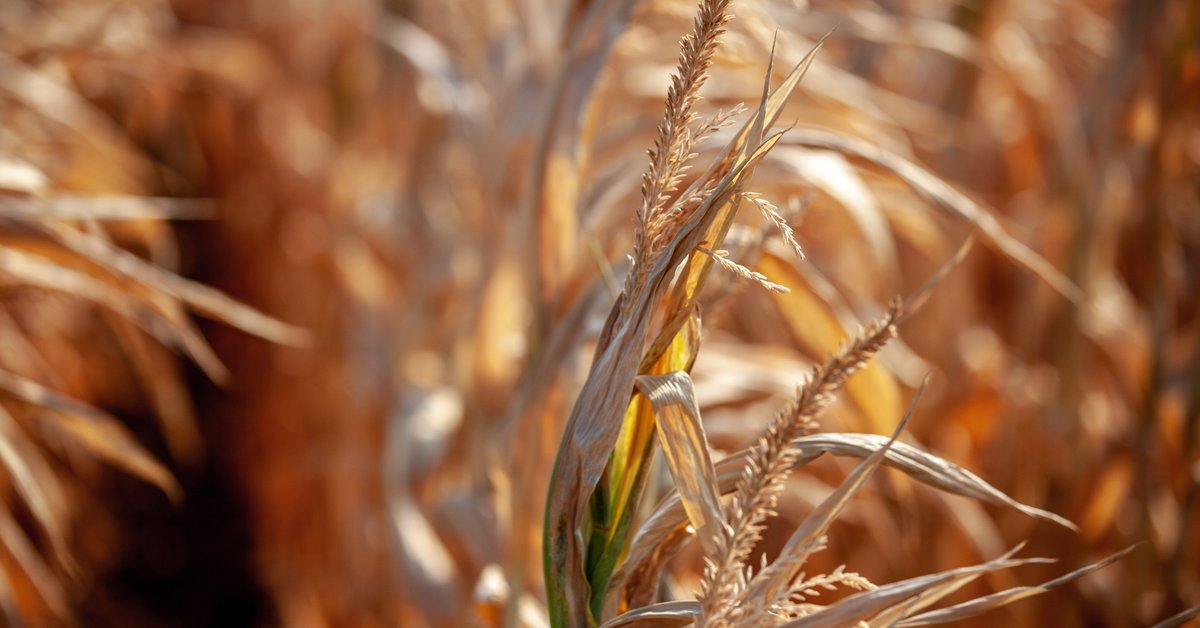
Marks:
<point>298,296</point>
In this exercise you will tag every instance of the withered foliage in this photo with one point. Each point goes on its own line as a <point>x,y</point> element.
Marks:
<point>358,313</point>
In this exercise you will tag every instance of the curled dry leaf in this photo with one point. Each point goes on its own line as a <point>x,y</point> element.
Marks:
<point>921,466</point>
<point>685,448</point>
<point>661,615</point>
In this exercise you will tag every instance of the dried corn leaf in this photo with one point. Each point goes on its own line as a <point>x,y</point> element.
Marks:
<point>988,603</point>
<point>685,448</point>
<point>33,481</point>
<point>96,430</point>
<point>628,468</point>
<point>921,466</point>
<point>930,596</point>
<point>945,197</point>
<point>64,207</point>
<point>203,299</point>
<point>864,606</point>
<point>561,154</point>
<point>159,319</point>
<point>661,615</point>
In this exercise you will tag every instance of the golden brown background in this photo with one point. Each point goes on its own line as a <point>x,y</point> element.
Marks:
<point>429,195</point>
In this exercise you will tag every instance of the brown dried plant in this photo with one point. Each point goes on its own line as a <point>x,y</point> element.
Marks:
<point>660,294</point>
<point>450,195</point>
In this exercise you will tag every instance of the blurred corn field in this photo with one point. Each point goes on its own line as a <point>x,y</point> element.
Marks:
<point>298,297</point>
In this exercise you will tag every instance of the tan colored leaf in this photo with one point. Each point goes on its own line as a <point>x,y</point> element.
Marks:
<point>66,207</point>
<point>865,605</point>
<point>945,197</point>
<point>1179,619</point>
<point>168,326</point>
<point>661,615</point>
<point>205,300</point>
<point>33,481</point>
<point>988,603</point>
<point>923,467</point>
<point>685,448</point>
<point>94,429</point>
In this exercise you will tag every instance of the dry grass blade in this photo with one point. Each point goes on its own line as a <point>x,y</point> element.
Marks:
<point>94,429</point>
<point>987,603</point>
<point>945,197</point>
<point>1179,619</point>
<point>917,299</point>
<point>560,156</point>
<point>864,606</point>
<point>685,448</point>
<point>890,616</point>
<point>921,466</point>
<point>203,299</point>
<point>63,207</point>
<point>32,481</point>
<point>161,320</point>
<point>661,615</point>
<point>16,548</point>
